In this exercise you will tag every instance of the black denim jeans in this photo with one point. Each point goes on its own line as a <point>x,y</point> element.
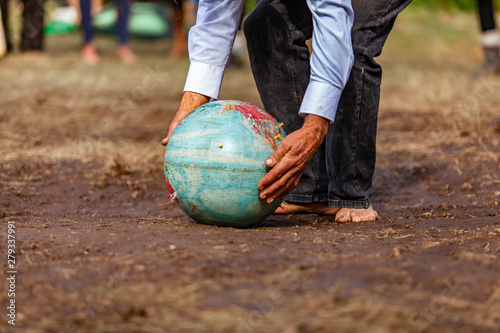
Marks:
<point>341,172</point>
<point>33,21</point>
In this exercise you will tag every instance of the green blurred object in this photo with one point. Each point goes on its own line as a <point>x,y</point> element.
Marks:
<point>55,28</point>
<point>147,20</point>
<point>63,20</point>
<point>106,20</point>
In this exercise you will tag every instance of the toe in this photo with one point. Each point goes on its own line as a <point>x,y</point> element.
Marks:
<point>357,216</point>
<point>373,215</point>
<point>342,216</point>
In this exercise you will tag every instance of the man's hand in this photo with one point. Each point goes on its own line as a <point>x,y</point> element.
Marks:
<point>189,102</point>
<point>291,158</point>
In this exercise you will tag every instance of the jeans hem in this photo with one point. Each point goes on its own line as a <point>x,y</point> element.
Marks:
<point>358,204</point>
<point>307,198</point>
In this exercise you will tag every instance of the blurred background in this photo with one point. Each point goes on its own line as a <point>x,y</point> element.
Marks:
<point>60,101</point>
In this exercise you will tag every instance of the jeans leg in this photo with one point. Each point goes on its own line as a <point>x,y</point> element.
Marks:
<point>350,142</point>
<point>33,18</point>
<point>123,15</point>
<point>5,22</point>
<point>88,31</point>
<point>486,15</point>
<point>276,32</point>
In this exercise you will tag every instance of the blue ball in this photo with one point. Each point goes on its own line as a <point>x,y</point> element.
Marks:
<point>215,159</point>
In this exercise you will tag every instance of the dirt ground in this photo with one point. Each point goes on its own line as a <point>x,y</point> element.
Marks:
<point>99,248</point>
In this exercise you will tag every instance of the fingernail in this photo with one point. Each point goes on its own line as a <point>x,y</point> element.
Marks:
<point>263,197</point>
<point>270,200</point>
<point>260,188</point>
<point>356,219</point>
<point>269,161</point>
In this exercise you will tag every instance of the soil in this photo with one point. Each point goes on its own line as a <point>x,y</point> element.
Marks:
<point>99,248</point>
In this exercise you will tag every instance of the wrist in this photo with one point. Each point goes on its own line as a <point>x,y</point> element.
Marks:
<point>317,124</point>
<point>191,100</point>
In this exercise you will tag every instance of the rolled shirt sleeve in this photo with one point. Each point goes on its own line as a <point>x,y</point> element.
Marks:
<point>210,44</point>
<point>332,56</point>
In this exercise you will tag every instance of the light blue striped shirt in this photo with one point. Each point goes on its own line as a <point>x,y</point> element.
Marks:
<point>211,40</point>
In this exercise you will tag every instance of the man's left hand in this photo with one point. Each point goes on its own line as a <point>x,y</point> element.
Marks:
<point>291,158</point>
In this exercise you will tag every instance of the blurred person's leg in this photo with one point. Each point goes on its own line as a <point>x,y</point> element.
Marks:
<point>32,33</point>
<point>89,51</point>
<point>76,4</point>
<point>490,39</point>
<point>4,6</point>
<point>124,53</point>
<point>179,47</point>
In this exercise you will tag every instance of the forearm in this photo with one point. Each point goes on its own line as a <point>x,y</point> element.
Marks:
<point>332,56</point>
<point>210,42</point>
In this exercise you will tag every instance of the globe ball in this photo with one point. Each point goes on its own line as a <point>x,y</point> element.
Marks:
<point>214,160</point>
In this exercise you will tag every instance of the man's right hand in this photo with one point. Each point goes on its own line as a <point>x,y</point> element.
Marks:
<point>189,102</point>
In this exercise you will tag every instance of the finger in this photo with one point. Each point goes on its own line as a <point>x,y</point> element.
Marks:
<point>283,186</point>
<point>275,173</point>
<point>283,195</point>
<point>285,190</point>
<point>170,131</point>
<point>279,191</point>
<point>171,128</point>
<point>279,186</point>
<point>177,119</point>
<point>277,155</point>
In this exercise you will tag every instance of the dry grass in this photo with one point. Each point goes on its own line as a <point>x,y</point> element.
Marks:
<point>430,93</point>
<point>57,108</point>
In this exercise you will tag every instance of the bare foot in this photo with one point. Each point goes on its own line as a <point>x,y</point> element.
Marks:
<point>90,55</point>
<point>125,54</point>
<point>180,47</point>
<point>356,214</point>
<point>321,208</point>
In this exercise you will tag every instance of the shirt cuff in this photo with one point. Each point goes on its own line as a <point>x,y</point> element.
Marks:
<point>204,79</point>
<point>321,99</point>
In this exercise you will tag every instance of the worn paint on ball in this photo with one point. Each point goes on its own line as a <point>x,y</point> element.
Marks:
<point>215,158</point>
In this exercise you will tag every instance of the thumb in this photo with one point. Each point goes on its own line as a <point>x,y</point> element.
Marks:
<point>276,156</point>
<point>171,129</point>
